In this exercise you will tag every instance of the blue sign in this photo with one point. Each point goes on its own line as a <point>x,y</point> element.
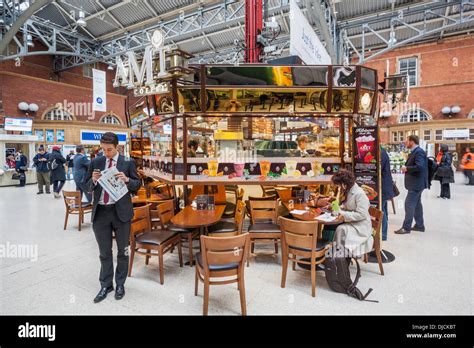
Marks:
<point>90,137</point>
<point>99,100</point>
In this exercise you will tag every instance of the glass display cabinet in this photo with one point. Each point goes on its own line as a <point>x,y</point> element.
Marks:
<point>257,124</point>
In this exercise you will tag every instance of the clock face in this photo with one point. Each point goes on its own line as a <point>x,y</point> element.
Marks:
<point>157,39</point>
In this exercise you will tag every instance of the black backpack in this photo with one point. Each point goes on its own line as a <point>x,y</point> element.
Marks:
<point>338,274</point>
<point>432,167</point>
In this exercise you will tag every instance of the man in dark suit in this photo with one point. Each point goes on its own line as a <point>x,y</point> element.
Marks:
<point>416,180</point>
<point>81,167</point>
<point>108,215</point>
<point>387,189</point>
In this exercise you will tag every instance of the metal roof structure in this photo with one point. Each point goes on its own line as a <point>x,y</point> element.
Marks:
<point>213,30</point>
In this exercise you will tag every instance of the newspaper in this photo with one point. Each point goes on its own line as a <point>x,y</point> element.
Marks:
<point>326,217</point>
<point>116,188</point>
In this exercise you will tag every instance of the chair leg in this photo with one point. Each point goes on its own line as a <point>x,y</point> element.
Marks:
<point>65,220</point>
<point>80,221</point>
<point>313,279</point>
<point>366,258</point>
<point>190,243</point>
<point>162,270</point>
<point>284,267</point>
<point>276,246</point>
<point>248,253</point>
<point>180,254</point>
<point>132,255</point>
<point>147,258</point>
<point>196,282</point>
<point>252,247</point>
<point>243,303</point>
<point>206,297</point>
<point>293,266</point>
<point>379,257</point>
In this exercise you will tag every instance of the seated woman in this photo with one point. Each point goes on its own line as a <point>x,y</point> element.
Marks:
<point>355,232</point>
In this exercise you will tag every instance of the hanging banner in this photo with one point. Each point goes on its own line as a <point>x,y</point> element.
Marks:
<point>99,90</point>
<point>304,42</point>
<point>366,166</point>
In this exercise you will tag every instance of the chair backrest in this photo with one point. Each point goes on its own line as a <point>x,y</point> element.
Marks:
<point>268,190</point>
<point>240,216</point>
<point>298,234</point>
<point>376,216</point>
<point>218,191</point>
<point>72,199</point>
<point>263,210</point>
<point>284,194</point>
<point>165,212</point>
<point>224,250</point>
<point>141,220</point>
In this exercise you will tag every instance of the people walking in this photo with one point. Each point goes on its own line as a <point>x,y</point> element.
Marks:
<point>387,190</point>
<point>109,215</point>
<point>467,165</point>
<point>58,173</point>
<point>42,171</point>
<point>81,167</point>
<point>21,166</point>
<point>70,164</point>
<point>444,173</point>
<point>416,181</point>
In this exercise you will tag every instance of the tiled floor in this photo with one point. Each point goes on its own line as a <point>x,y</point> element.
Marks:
<point>432,273</point>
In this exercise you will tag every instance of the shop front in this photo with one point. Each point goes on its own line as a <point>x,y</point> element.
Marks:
<point>11,144</point>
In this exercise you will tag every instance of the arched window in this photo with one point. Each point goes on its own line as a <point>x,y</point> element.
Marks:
<point>414,115</point>
<point>110,119</point>
<point>57,114</point>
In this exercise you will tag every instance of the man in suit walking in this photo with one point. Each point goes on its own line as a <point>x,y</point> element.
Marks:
<point>81,167</point>
<point>108,215</point>
<point>416,180</point>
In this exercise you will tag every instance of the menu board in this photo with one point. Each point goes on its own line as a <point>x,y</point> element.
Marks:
<point>366,151</point>
<point>205,202</point>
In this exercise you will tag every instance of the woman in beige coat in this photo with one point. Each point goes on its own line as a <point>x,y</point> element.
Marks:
<point>356,231</point>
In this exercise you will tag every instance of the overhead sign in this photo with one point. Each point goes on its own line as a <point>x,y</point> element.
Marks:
<point>155,88</point>
<point>18,124</point>
<point>92,137</point>
<point>456,133</point>
<point>304,42</point>
<point>132,75</point>
<point>99,90</point>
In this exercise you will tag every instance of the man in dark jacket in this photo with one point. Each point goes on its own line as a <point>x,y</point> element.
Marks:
<point>444,172</point>
<point>109,215</point>
<point>387,189</point>
<point>21,166</point>
<point>81,167</point>
<point>416,180</point>
<point>42,170</point>
<point>70,164</point>
<point>58,173</point>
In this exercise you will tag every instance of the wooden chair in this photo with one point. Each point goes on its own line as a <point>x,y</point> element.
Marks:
<point>166,212</point>
<point>298,244</point>
<point>268,190</point>
<point>231,205</point>
<point>284,194</point>
<point>264,227</point>
<point>222,257</point>
<point>75,206</point>
<point>227,228</point>
<point>155,243</point>
<point>376,216</point>
<point>154,216</point>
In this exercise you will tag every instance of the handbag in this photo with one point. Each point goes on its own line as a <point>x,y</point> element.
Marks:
<point>396,191</point>
<point>24,168</point>
<point>16,176</point>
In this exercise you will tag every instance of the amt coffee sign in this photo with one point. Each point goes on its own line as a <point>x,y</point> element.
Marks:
<point>92,137</point>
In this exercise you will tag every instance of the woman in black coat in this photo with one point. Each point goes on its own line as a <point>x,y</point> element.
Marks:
<point>58,174</point>
<point>444,173</point>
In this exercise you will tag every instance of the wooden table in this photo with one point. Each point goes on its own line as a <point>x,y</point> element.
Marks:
<point>153,197</point>
<point>310,214</point>
<point>189,218</point>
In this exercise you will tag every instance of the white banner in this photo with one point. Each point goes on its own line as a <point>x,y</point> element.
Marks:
<point>99,92</point>
<point>304,42</point>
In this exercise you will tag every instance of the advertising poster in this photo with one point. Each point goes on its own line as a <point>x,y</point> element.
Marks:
<point>99,90</point>
<point>60,135</point>
<point>50,135</point>
<point>40,134</point>
<point>366,154</point>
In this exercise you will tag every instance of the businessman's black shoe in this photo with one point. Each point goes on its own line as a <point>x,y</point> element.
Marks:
<point>103,294</point>
<point>419,229</point>
<point>119,292</point>
<point>402,231</point>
